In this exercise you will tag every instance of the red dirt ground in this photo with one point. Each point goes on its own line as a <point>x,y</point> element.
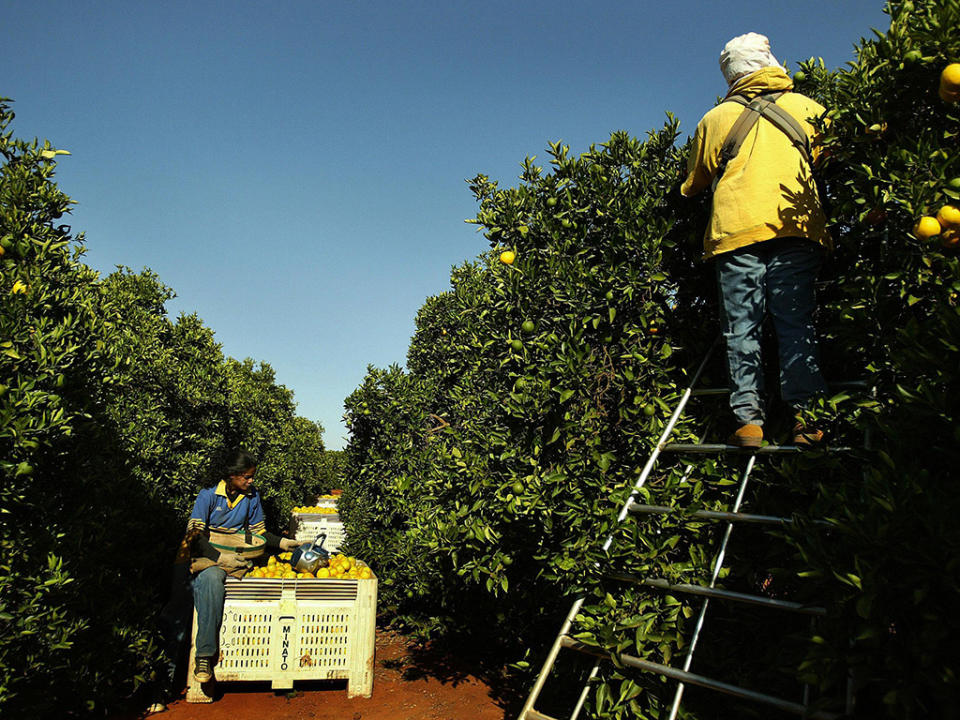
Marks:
<point>410,683</point>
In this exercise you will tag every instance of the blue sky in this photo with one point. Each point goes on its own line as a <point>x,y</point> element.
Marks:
<point>296,171</point>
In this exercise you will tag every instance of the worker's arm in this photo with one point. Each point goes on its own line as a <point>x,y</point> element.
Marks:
<point>701,166</point>
<point>275,541</point>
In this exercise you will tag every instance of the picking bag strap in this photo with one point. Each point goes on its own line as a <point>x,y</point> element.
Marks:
<point>765,106</point>
<point>790,127</point>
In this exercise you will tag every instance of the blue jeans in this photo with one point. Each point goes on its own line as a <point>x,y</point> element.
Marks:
<point>205,592</point>
<point>775,276</point>
<point>208,594</point>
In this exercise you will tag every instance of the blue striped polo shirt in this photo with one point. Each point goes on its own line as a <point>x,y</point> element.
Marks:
<point>214,511</point>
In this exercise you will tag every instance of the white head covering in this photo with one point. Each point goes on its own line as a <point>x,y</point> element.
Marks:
<point>744,55</point>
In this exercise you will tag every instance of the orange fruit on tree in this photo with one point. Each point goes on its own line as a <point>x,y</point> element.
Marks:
<point>507,257</point>
<point>926,227</point>
<point>950,77</point>
<point>948,215</point>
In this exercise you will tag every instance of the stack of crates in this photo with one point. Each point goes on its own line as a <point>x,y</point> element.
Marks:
<point>281,631</point>
<point>305,527</point>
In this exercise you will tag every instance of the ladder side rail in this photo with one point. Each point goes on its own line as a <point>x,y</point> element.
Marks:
<point>662,441</point>
<point>624,510</point>
<point>630,503</point>
<point>550,660</point>
<point>717,565</point>
<point>596,666</point>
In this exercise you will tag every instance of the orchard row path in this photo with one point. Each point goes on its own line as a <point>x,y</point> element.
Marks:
<point>411,682</point>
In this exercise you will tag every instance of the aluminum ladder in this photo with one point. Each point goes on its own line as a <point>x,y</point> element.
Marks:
<point>631,507</point>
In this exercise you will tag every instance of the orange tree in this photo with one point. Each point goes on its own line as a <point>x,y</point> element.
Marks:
<point>891,314</point>
<point>537,384</point>
<point>111,415</point>
<point>533,393</point>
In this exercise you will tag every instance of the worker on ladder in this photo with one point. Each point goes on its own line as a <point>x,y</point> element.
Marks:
<point>767,230</point>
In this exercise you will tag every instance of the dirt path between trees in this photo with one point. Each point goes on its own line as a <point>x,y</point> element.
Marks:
<point>410,683</point>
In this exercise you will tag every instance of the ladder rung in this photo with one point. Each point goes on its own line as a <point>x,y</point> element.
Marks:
<point>532,714</point>
<point>718,594</point>
<point>699,392</point>
<point>714,515</point>
<point>701,680</point>
<point>765,450</point>
<point>840,385</point>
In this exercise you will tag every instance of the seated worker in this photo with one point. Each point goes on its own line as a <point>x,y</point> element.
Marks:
<point>767,230</point>
<point>229,507</point>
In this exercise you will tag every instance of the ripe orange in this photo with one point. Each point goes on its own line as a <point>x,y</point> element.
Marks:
<point>950,77</point>
<point>948,215</point>
<point>926,227</point>
<point>507,257</point>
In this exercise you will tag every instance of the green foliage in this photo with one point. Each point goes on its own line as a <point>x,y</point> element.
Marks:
<point>482,481</point>
<point>894,311</point>
<point>485,474</point>
<point>111,418</point>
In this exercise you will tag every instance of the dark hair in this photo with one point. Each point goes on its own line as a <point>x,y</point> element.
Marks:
<point>238,462</point>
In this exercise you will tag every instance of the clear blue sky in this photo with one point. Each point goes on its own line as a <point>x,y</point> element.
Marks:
<point>295,170</point>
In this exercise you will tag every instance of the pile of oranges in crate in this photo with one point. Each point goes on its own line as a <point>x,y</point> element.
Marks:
<point>315,509</point>
<point>340,566</point>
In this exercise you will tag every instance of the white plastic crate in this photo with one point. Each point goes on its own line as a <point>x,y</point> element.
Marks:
<point>286,630</point>
<point>304,527</point>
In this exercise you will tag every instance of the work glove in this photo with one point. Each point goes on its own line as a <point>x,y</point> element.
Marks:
<point>233,561</point>
<point>288,544</point>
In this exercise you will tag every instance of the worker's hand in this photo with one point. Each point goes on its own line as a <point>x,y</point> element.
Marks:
<point>288,544</point>
<point>233,561</point>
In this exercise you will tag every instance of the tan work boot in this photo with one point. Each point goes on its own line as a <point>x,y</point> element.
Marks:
<point>747,436</point>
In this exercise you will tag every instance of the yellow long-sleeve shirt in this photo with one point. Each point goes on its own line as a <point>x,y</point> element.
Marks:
<point>767,191</point>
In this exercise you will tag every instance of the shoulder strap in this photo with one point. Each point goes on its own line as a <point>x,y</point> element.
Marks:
<point>765,106</point>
